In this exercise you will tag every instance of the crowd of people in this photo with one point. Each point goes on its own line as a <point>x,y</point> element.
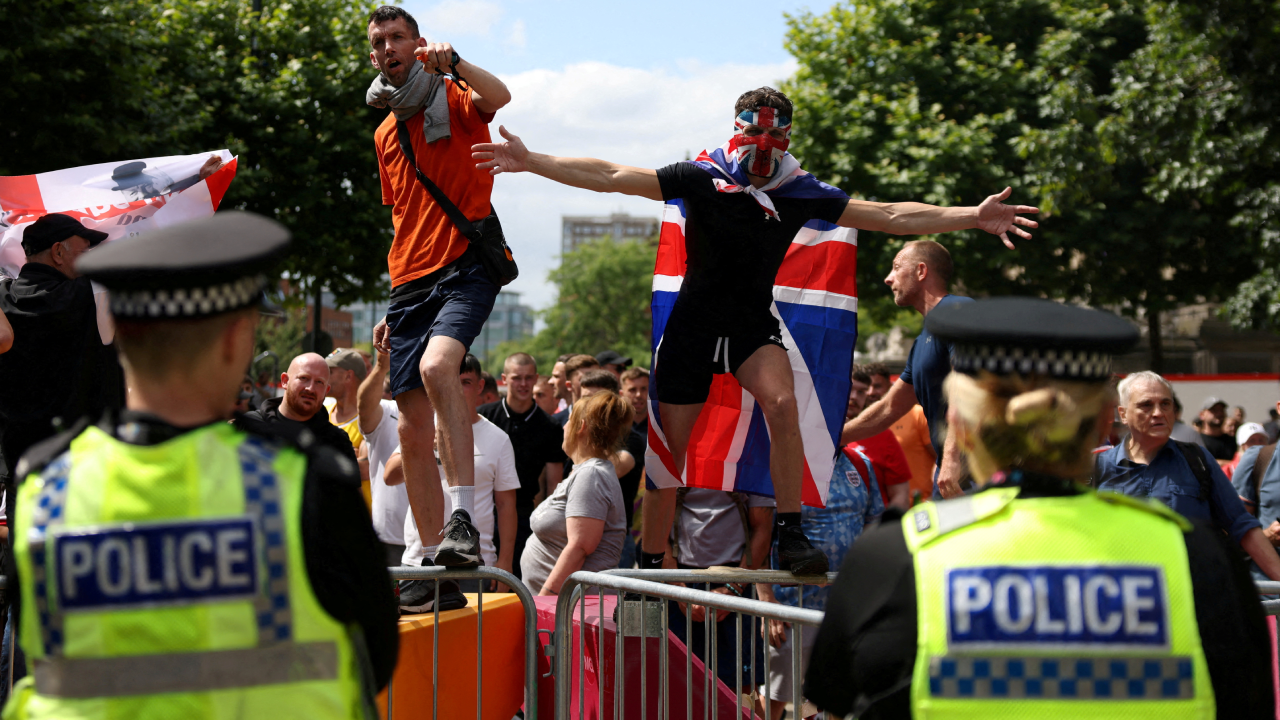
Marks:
<point>122,408</point>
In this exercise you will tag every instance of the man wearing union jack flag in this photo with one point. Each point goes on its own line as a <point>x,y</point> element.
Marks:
<point>744,203</point>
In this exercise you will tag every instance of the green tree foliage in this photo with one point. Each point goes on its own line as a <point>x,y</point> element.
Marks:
<point>281,335</point>
<point>1116,119</point>
<point>105,80</point>
<point>603,304</point>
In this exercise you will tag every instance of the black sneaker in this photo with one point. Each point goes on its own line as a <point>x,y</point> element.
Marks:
<point>419,596</point>
<point>461,544</point>
<point>797,555</point>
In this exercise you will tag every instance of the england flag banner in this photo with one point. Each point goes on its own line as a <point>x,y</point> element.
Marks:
<point>815,298</point>
<point>122,199</point>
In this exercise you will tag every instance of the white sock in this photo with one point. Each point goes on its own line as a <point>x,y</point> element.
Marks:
<point>430,553</point>
<point>463,497</point>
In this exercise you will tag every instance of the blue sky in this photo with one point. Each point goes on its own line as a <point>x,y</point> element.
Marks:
<point>516,35</point>
<point>642,84</point>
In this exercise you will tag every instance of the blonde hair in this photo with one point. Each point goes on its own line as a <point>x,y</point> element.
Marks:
<point>1030,423</point>
<point>607,419</point>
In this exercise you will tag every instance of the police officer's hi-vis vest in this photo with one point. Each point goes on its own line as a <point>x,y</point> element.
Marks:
<point>168,581</point>
<point>1054,607</point>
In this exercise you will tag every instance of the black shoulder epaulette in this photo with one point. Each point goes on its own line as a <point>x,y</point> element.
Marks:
<point>38,456</point>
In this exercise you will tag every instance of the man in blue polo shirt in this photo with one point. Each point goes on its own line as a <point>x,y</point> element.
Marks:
<point>1147,464</point>
<point>920,277</point>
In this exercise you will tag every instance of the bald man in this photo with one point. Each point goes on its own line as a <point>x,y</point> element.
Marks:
<point>305,384</point>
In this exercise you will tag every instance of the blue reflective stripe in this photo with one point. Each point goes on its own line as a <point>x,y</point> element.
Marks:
<point>1084,678</point>
<point>262,499</point>
<point>48,512</point>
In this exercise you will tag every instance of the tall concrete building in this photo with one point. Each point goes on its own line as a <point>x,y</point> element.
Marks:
<point>619,226</point>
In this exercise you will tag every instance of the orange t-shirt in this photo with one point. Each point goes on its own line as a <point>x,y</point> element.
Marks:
<point>426,240</point>
<point>912,431</point>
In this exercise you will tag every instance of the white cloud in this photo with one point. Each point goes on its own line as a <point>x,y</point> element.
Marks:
<point>516,39</point>
<point>452,18</point>
<point>646,118</point>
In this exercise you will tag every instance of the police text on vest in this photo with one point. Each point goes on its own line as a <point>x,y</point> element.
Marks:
<point>156,563</point>
<point>1103,607</point>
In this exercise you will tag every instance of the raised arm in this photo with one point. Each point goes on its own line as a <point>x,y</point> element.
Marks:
<point>586,173</point>
<point>369,396</point>
<point>911,218</point>
<point>488,92</point>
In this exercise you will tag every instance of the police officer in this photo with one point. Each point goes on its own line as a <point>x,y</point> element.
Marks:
<point>1038,597</point>
<point>170,565</point>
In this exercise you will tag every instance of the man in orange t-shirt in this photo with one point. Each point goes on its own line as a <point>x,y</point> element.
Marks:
<point>911,430</point>
<point>440,293</point>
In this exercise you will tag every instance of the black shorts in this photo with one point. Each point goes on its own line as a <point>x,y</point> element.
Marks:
<point>455,306</point>
<point>691,355</point>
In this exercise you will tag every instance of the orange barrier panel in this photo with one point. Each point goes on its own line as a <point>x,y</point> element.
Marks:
<point>410,693</point>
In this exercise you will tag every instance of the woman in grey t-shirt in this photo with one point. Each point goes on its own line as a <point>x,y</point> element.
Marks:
<point>583,524</point>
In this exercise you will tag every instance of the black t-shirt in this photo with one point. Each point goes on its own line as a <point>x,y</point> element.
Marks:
<point>58,366</point>
<point>325,431</point>
<point>536,440</point>
<point>865,650</point>
<point>635,444</point>
<point>734,249</point>
<point>1221,447</point>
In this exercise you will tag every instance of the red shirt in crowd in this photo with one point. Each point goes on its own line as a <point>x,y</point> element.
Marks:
<point>887,460</point>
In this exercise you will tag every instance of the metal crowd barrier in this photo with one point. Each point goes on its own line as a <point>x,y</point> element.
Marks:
<point>634,621</point>
<point>1269,587</point>
<point>530,633</point>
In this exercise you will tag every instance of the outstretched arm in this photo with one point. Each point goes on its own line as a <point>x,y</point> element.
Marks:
<point>586,173</point>
<point>881,414</point>
<point>910,218</point>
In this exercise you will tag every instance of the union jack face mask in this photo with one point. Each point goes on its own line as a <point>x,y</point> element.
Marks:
<point>760,154</point>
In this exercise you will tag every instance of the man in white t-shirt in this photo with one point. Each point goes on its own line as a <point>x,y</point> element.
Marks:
<point>377,419</point>
<point>495,494</point>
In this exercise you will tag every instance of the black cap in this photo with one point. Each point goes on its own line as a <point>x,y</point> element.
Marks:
<point>609,357</point>
<point>1028,336</point>
<point>194,269</point>
<point>54,228</point>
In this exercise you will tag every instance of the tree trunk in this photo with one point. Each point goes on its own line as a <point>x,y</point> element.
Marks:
<point>315,324</point>
<point>1154,342</point>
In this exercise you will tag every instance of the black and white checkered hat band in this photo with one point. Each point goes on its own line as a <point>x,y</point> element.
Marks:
<point>187,302</point>
<point>1072,364</point>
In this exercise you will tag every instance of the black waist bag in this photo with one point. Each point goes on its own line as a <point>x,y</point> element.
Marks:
<point>485,235</point>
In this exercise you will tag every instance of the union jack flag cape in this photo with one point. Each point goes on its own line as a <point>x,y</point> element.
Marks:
<point>816,299</point>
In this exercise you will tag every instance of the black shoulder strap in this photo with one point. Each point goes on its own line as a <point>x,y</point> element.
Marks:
<point>1259,469</point>
<point>465,226</point>
<point>1195,459</point>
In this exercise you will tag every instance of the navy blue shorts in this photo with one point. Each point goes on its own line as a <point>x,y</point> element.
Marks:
<point>456,307</point>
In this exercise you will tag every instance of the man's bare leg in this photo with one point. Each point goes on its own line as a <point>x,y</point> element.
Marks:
<point>460,546</point>
<point>417,429</point>
<point>658,508</point>
<point>768,376</point>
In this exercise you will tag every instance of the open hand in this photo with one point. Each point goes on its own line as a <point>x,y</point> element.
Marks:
<point>510,156</point>
<point>999,219</point>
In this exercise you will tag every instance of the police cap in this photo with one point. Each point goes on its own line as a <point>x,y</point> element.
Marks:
<point>191,270</point>
<point>1029,336</point>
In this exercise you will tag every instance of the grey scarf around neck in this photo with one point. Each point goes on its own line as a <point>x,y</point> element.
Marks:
<point>421,89</point>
